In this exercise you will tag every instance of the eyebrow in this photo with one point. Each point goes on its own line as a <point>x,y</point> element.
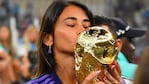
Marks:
<point>73,18</point>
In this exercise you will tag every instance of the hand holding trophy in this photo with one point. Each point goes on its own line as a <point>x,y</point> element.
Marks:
<point>95,50</point>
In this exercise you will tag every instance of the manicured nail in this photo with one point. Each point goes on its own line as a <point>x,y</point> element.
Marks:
<point>113,66</point>
<point>105,72</point>
<point>104,78</point>
<point>97,72</point>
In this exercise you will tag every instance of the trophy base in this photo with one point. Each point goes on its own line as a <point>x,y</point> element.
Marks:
<point>88,65</point>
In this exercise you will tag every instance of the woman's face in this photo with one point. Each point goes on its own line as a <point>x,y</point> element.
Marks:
<point>4,33</point>
<point>33,34</point>
<point>70,23</point>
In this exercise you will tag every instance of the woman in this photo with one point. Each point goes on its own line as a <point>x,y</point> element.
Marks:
<point>27,52</point>
<point>10,73</point>
<point>61,25</point>
<point>6,40</point>
<point>30,38</point>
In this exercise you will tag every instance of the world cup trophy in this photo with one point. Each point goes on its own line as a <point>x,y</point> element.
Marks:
<point>95,50</point>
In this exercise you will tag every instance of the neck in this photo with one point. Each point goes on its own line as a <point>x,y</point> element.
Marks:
<point>65,68</point>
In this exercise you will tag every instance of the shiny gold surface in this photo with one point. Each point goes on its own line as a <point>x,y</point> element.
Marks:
<point>95,49</point>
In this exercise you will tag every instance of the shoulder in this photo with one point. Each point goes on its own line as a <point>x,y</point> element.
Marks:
<point>41,79</point>
<point>50,78</point>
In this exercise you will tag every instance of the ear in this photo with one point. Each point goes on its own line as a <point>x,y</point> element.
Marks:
<point>119,44</point>
<point>48,40</point>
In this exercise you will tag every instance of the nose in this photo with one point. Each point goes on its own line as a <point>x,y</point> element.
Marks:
<point>80,29</point>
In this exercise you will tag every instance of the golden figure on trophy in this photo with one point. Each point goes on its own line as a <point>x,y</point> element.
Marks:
<point>95,50</point>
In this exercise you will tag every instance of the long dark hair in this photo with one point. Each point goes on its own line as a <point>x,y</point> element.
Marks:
<point>46,61</point>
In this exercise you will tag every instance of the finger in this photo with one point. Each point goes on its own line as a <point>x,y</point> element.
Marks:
<point>106,81</point>
<point>90,77</point>
<point>100,83</point>
<point>118,68</point>
<point>112,71</point>
<point>110,77</point>
<point>115,64</point>
<point>117,75</point>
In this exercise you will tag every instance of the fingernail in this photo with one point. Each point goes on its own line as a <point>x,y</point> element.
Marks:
<point>104,78</point>
<point>113,66</point>
<point>97,72</point>
<point>105,72</point>
<point>115,70</point>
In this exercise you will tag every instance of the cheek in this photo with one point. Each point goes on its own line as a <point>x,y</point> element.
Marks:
<point>4,35</point>
<point>65,39</point>
<point>32,37</point>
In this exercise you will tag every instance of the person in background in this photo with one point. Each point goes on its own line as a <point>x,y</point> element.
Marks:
<point>11,66</point>
<point>125,35</point>
<point>57,38</point>
<point>7,74</point>
<point>30,38</point>
<point>142,72</point>
<point>125,57</point>
<point>27,52</point>
<point>6,41</point>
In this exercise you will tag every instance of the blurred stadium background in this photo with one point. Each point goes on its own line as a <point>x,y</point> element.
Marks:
<point>21,13</point>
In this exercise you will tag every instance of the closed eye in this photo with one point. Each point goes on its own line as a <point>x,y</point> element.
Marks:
<point>86,23</point>
<point>70,25</point>
<point>70,21</point>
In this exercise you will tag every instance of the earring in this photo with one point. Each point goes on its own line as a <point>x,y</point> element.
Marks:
<point>49,51</point>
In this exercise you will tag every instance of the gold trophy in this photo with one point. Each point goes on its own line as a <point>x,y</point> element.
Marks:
<point>95,50</point>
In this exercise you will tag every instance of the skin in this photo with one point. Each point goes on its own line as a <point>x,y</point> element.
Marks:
<point>128,48</point>
<point>4,35</point>
<point>32,34</point>
<point>5,59</point>
<point>10,70</point>
<point>6,72</point>
<point>67,28</point>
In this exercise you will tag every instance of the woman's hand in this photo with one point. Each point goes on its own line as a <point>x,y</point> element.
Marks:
<point>91,76</point>
<point>113,76</point>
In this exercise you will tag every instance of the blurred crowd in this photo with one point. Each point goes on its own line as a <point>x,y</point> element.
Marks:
<point>18,63</point>
<point>19,33</point>
<point>18,37</point>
